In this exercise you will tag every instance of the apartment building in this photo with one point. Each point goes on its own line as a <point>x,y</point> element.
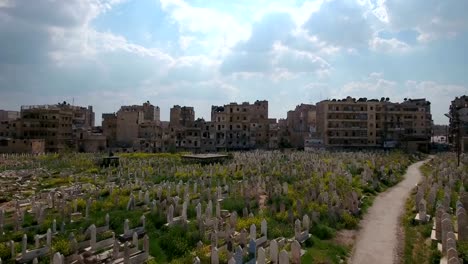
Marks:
<point>125,128</point>
<point>182,116</point>
<point>59,125</point>
<point>6,115</point>
<point>458,127</point>
<point>30,146</point>
<point>241,126</point>
<point>366,123</point>
<point>302,124</point>
<point>109,128</point>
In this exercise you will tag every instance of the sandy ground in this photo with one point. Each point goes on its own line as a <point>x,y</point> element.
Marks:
<point>379,238</point>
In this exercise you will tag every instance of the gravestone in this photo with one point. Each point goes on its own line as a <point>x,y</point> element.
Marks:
<point>261,256</point>
<point>252,248</point>
<point>92,230</point>
<point>126,226</point>
<point>462,224</point>
<point>170,214</point>
<point>24,246</point>
<point>274,251</point>
<point>306,222</point>
<point>214,256</point>
<point>58,258</point>
<point>295,252</point>
<point>422,211</point>
<point>264,228</point>
<point>283,257</point>
<point>239,255</point>
<point>253,232</point>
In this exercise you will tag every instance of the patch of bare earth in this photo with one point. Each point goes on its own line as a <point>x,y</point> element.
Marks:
<point>345,237</point>
<point>399,250</point>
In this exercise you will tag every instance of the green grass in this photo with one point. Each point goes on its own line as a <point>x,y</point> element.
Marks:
<point>324,251</point>
<point>417,247</point>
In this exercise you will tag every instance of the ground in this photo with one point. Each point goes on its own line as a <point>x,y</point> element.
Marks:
<point>377,240</point>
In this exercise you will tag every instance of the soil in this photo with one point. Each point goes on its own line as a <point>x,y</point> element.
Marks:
<point>380,238</point>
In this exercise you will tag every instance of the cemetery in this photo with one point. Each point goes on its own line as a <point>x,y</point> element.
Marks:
<point>255,207</point>
<point>435,222</point>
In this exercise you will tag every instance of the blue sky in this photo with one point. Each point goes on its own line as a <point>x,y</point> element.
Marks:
<point>108,53</point>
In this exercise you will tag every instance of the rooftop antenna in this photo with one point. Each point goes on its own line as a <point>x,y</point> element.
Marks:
<point>73,100</point>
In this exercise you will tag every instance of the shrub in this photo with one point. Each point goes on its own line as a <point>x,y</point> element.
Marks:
<point>322,231</point>
<point>350,221</point>
<point>4,251</point>
<point>232,204</point>
<point>309,243</point>
<point>62,245</point>
<point>247,222</point>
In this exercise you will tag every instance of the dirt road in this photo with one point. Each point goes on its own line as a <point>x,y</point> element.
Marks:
<point>377,239</point>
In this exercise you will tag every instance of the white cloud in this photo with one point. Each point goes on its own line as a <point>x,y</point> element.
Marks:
<point>372,86</point>
<point>341,23</point>
<point>297,61</point>
<point>299,13</point>
<point>432,18</point>
<point>388,45</point>
<point>222,29</point>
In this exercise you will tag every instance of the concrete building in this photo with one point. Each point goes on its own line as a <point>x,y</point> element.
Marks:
<point>366,123</point>
<point>6,115</point>
<point>29,146</point>
<point>91,141</point>
<point>134,127</point>
<point>124,128</point>
<point>128,121</point>
<point>458,127</point>
<point>56,124</point>
<point>241,126</point>
<point>109,128</point>
<point>302,124</point>
<point>10,129</point>
<point>150,137</point>
<point>182,116</point>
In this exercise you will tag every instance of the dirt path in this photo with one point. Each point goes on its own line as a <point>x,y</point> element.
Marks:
<point>377,240</point>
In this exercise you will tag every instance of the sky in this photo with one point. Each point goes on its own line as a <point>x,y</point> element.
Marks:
<point>109,53</point>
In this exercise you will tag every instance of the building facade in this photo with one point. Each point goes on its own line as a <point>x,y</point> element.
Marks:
<point>302,124</point>
<point>458,126</point>
<point>56,124</point>
<point>29,146</point>
<point>366,123</point>
<point>134,127</point>
<point>241,126</point>
<point>6,115</point>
